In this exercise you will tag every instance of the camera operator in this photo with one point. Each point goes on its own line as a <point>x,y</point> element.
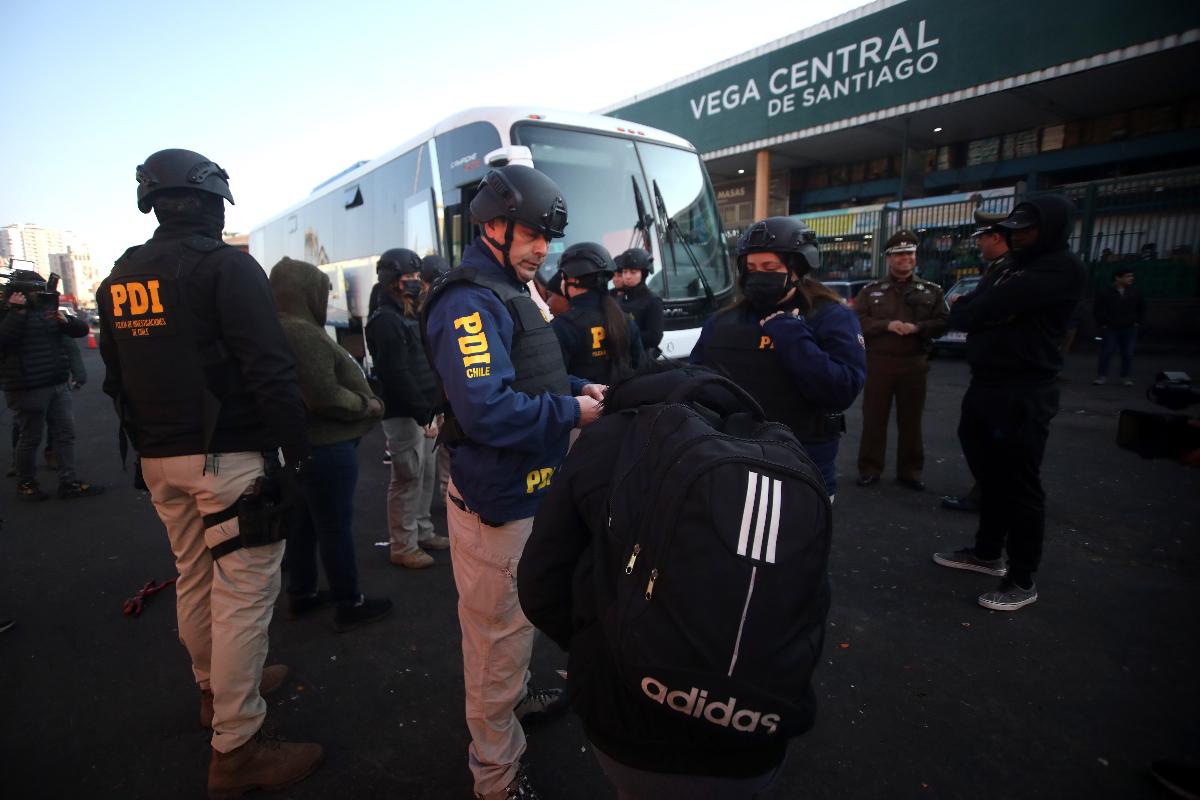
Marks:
<point>35,370</point>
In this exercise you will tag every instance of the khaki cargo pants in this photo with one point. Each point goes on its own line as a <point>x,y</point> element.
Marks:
<point>497,640</point>
<point>224,607</point>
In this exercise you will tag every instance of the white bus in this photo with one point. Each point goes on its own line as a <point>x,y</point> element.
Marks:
<point>625,185</point>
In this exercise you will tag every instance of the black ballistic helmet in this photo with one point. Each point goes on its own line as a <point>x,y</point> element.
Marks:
<point>179,169</point>
<point>432,266</point>
<point>635,258</point>
<point>521,194</point>
<point>789,238</point>
<point>397,261</point>
<point>586,258</point>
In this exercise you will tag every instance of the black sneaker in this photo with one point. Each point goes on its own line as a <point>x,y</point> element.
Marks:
<point>539,705</point>
<point>966,559</point>
<point>1009,597</point>
<point>300,605</point>
<point>31,492</point>
<point>366,611</point>
<point>519,789</point>
<point>69,491</point>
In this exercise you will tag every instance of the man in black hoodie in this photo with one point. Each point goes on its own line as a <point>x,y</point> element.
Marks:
<point>1014,323</point>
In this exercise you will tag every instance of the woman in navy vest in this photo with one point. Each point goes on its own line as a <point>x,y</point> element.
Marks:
<point>790,341</point>
<point>599,341</point>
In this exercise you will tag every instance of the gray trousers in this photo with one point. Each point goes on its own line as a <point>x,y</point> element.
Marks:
<point>638,784</point>
<point>36,409</point>
<point>410,491</point>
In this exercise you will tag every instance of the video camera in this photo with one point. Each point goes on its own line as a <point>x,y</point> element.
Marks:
<point>1153,435</point>
<point>40,293</point>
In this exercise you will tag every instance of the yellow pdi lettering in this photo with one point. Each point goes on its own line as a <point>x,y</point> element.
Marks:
<point>597,337</point>
<point>765,343</point>
<point>538,479</point>
<point>141,297</point>
<point>474,344</point>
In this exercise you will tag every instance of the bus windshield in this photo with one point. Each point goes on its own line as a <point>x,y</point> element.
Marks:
<point>597,173</point>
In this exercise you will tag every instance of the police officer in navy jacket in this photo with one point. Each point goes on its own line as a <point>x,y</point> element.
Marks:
<point>511,408</point>
<point>790,342</point>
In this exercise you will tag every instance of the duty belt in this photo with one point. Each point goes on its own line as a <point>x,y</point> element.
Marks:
<point>463,507</point>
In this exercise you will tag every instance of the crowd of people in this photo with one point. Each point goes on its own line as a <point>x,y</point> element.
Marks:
<point>245,417</point>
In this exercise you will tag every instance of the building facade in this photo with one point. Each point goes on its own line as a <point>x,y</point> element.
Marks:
<point>915,112</point>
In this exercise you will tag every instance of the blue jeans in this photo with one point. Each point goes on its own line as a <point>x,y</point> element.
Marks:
<point>47,407</point>
<point>321,521</point>
<point>1115,339</point>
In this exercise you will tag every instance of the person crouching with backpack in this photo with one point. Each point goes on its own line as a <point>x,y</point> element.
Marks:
<point>790,341</point>
<point>694,615</point>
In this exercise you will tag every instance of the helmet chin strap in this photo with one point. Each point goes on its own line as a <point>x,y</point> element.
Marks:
<point>506,247</point>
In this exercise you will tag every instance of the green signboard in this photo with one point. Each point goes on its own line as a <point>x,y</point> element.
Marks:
<point>900,54</point>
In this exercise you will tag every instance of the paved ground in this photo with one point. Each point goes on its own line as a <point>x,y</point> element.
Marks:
<point>923,694</point>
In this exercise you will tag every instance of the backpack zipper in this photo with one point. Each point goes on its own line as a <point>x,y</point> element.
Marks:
<point>637,548</point>
<point>650,585</point>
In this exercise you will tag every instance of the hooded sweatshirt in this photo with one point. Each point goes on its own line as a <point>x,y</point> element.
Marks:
<point>1018,315</point>
<point>335,390</point>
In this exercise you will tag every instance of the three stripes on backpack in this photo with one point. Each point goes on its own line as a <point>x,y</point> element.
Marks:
<point>761,513</point>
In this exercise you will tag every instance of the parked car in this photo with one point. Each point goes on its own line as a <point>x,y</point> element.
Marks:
<point>847,289</point>
<point>954,341</point>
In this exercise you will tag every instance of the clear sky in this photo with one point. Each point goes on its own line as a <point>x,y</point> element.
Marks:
<point>285,94</point>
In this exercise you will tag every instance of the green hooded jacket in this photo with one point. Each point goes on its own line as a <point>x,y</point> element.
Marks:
<point>336,393</point>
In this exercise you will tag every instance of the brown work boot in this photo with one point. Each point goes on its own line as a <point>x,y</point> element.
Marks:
<point>417,560</point>
<point>261,763</point>
<point>273,677</point>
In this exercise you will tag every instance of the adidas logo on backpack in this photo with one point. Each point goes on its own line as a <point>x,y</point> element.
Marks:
<point>718,535</point>
<point>696,703</point>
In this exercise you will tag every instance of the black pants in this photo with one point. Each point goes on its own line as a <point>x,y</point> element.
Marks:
<point>1003,431</point>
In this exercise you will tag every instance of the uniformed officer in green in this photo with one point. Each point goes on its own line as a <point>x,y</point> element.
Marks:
<point>900,315</point>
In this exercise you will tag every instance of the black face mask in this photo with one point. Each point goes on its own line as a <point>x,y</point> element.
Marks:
<point>411,287</point>
<point>765,290</point>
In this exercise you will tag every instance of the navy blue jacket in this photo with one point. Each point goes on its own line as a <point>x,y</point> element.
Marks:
<point>516,441</point>
<point>824,355</point>
<point>570,337</point>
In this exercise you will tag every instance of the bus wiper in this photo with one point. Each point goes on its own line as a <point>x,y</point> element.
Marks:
<point>673,227</point>
<point>644,220</point>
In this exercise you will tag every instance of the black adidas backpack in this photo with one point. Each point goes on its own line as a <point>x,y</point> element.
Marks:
<point>718,534</point>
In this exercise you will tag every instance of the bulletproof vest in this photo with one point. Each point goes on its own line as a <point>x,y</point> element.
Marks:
<point>737,344</point>
<point>536,356</point>
<point>634,301</point>
<point>172,375</point>
<point>589,357</point>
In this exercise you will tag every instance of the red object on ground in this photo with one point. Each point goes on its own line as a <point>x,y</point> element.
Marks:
<point>133,606</point>
<point>92,340</point>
